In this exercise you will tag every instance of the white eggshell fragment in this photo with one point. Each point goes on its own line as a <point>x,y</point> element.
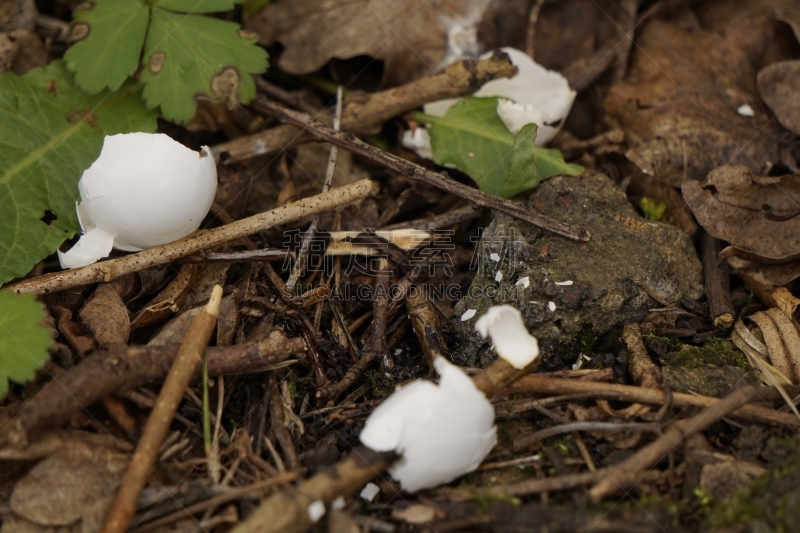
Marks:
<point>369,492</point>
<point>511,339</point>
<point>469,313</point>
<point>442,432</point>
<point>535,95</point>
<point>316,511</point>
<point>143,191</point>
<point>418,140</point>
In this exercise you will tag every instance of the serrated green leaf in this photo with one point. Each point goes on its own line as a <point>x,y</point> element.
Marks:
<point>23,342</point>
<point>184,53</point>
<point>110,53</point>
<point>196,6</point>
<point>195,51</point>
<point>473,138</point>
<point>51,133</point>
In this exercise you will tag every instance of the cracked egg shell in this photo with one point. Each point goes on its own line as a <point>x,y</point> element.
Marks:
<point>442,431</point>
<point>144,190</point>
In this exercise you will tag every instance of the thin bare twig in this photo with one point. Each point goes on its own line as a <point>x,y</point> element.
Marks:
<point>625,474</point>
<point>298,269</point>
<point>543,385</point>
<point>196,242</point>
<point>562,429</point>
<point>350,142</point>
<point>365,113</point>
<point>189,357</point>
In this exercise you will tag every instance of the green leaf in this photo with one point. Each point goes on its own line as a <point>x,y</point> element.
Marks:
<point>110,53</point>
<point>186,55</point>
<point>194,56</point>
<point>473,138</point>
<point>51,133</point>
<point>196,6</point>
<point>523,175</point>
<point>23,342</point>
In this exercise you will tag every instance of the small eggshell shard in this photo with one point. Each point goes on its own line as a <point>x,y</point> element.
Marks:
<point>369,492</point>
<point>442,432</point>
<point>498,277</point>
<point>494,257</point>
<point>338,503</point>
<point>418,140</point>
<point>316,511</point>
<point>745,110</point>
<point>469,313</point>
<point>551,306</point>
<point>512,342</point>
<point>523,282</point>
<point>564,283</point>
<point>144,190</point>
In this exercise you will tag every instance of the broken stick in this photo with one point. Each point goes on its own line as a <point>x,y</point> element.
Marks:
<point>189,357</point>
<point>365,113</point>
<point>196,242</point>
<point>476,197</point>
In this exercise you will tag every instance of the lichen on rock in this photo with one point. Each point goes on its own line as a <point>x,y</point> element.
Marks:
<point>613,274</point>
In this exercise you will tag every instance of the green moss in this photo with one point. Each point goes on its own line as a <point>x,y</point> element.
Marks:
<point>715,352</point>
<point>767,504</point>
<point>484,498</point>
<point>379,385</point>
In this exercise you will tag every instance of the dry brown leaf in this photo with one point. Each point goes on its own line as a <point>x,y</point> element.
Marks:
<point>62,488</point>
<point>778,85</point>
<point>417,513</point>
<point>169,301</point>
<point>729,205</point>
<point>106,316</point>
<point>679,103</point>
<point>413,38</point>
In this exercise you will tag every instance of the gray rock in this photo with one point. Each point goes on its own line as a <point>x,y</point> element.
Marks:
<point>610,275</point>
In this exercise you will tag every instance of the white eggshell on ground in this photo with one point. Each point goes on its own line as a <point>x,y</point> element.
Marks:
<point>536,95</point>
<point>145,190</point>
<point>511,339</point>
<point>442,432</point>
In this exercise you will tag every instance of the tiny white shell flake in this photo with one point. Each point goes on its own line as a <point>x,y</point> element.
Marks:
<point>498,276</point>
<point>551,306</point>
<point>469,313</point>
<point>369,492</point>
<point>523,282</point>
<point>316,511</point>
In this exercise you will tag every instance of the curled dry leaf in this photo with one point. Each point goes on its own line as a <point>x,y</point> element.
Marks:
<point>413,38</point>
<point>61,489</point>
<point>778,85</point>
<point>679,104</point>
<point>731,204</point>
<point>106,316</point>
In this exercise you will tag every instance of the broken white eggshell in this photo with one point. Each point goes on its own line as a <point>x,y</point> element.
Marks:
<point>143,191</point>
<point>442,431</point>
<point>511,339</point>
<point>535,95</point>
